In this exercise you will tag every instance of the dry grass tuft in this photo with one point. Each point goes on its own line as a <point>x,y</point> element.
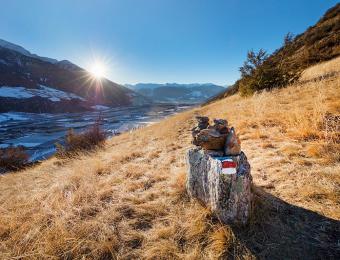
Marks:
<point>76,143</point>
<point>322,70</point>
<point>179,186</point>
<point>220,242</point>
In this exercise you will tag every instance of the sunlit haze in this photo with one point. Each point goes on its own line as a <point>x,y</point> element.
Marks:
<point>98,70</point>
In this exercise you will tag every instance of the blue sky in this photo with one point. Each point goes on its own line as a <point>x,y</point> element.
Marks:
<point>156,40</point>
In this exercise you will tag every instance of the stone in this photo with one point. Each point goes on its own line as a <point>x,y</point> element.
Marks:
<point>210,139</point>
<point>222,122</point>
<point>221,126</point>
<point>227,195</point>
<point>214,153</point>
<point>202,118</point>
<point>232,143</point>
<point>203,122</point>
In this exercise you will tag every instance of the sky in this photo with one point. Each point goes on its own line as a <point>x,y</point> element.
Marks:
<point>184,41</point>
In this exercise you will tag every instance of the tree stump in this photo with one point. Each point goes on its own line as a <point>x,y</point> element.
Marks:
<point>228,195</point>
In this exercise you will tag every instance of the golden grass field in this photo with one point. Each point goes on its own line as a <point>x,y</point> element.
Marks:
<point>321,69</point>
<point>128,200</point>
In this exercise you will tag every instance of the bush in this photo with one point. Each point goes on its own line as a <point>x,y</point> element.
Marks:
<point>318,43</point>
<point>260,72</point>
<point>13,158</point>
<point>284,66</point>
<point>87,140</point>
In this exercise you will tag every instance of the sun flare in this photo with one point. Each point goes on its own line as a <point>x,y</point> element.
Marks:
<point>98,70</point>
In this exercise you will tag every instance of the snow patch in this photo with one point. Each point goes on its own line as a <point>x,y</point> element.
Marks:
<point>100,107</point>
<point>14,92</point>
<point>52,94</point>
<point>3,62</point>
<point>54,99</point>
<point>55,93</point>
<point>12,116</point>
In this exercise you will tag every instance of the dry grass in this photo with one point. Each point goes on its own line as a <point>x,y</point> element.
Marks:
<point>128,200</point>
<point>319,70</point>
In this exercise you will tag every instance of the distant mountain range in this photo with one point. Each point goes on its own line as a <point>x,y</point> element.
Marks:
<point>31,83</point>
<point>177,93</point>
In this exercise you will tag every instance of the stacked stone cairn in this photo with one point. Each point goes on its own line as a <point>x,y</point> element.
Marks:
<point>218,171</point>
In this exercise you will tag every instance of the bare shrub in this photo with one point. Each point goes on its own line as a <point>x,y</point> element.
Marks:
<point>13,158</point>
<point>85,141</point>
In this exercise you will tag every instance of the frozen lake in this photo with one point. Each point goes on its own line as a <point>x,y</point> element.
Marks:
<point>39,132</point>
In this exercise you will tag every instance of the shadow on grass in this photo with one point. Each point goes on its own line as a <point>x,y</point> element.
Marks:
<point>279,230</point>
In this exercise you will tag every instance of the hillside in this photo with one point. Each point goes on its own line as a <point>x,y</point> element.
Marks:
<point>177,93</point>
<point>318,43</point>
<point>20,68</point>
<point>21,50</point>
<point>128,200</point>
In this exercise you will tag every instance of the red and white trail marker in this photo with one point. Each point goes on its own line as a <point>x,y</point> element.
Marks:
<point>228,166</point>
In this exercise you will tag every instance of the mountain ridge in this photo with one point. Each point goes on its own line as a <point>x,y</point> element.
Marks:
<point>20,68</point>
<point>22,50</point>
<point>177,92</point>
<point>318,43</point>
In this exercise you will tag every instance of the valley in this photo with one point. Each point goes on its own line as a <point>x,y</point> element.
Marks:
<point>38,133</point>
<point>128,199</point>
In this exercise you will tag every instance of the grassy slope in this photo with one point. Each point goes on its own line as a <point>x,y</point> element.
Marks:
<point>128,200</point>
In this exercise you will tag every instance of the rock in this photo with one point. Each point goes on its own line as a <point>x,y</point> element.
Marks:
<point>216,137</point>
<point>214,153</point>
<point>210,139</point>
<point>202,119</point>
<point>221,126</point>
<point>228,195</point>
<point>221,122</point>
<point>232,143</point>
<point>203,122</point>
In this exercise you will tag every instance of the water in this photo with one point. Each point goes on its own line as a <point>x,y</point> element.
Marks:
<point>39,132</point>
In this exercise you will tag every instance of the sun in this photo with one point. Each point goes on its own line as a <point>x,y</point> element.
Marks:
<point>98,70</point>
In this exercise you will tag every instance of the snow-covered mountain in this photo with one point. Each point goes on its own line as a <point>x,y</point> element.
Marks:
<point>42,91</point>
<point>177,93</point>
<point>31,83</point>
